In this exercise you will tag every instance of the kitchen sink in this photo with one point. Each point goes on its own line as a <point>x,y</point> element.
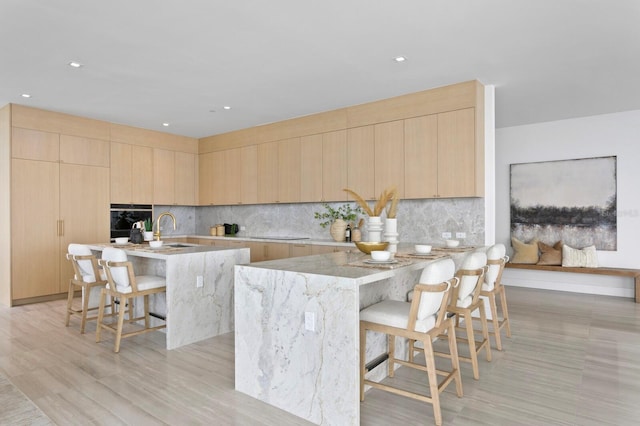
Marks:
<point>179,245</point>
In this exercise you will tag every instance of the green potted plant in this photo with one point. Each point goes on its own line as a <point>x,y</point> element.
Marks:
<point>148,230</point>
<point>337,219</point>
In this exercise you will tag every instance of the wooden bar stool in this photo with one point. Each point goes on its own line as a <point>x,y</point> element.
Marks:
<point>421,320</point>
<point>88,278</point>
<point>124,286</point>
<point>492,286</point>
<point>465,300</point>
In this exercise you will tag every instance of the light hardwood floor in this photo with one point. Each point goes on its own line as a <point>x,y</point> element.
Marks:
<point>573,360</point>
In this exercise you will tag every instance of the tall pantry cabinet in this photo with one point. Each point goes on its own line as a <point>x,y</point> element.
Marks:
<point>59,194</point>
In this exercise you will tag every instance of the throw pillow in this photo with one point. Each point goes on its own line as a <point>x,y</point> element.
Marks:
<point>550,255</point>
<point>523,252</point>
<point>584,258</point>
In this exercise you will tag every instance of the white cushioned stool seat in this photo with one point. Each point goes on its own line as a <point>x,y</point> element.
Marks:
<point>396,314</point>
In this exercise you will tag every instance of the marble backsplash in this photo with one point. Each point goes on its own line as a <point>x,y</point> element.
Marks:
<point>418,220</point>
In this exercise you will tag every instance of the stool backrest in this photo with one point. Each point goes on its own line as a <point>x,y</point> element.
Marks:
<point>87,268</point>
<point>435,273</point>
<point>496,258</point>
<point>470,278</point>
<point>119,274</point>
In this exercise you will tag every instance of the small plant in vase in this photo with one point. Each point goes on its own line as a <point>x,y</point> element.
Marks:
<point>337,219</point>
<point>148,230</point>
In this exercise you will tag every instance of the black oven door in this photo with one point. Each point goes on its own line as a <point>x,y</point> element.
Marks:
<point>123,216</point>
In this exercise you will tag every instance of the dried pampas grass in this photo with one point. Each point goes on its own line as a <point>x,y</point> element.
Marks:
<point>389,194</point>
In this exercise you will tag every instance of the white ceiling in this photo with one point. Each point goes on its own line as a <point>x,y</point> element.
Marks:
<point>153,61</point>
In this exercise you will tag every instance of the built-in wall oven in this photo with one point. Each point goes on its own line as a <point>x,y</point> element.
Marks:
<point>123,216</point>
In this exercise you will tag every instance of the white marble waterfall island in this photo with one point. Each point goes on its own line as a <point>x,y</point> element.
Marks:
<point>193,313</point>
<point>310,368</point>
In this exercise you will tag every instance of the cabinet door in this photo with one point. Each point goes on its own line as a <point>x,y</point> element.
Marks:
<point>361,158</point>
<point>289,170</point>
<point>311,168</point>
<point>35,145</point>
<point>121,173</point>
<point>35,253</point>
<point>457,154</point>
<point>141,174</point>
<point>421,157</point>
<point>86,151</point>
<point>249,174</point>
<point>163,177</point>
<point>297,250</point>
<point>334,165</point>
<point>230,188</point>
<point>273,251</point>
<point>205,175</point>
<point>185,169</point>
<point>268,172</point>
<point>389,157</point>
<point>84,210</point>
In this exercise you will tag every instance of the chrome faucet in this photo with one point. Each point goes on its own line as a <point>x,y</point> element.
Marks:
<point>156,234</point>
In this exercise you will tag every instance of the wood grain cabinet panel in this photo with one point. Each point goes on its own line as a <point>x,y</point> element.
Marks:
<point>334,165</point>
<point>457,157</point>
<point>84,211</point>
<point>35,145</point>
<point>86,151</point>
<point>289,170</point>
<point>311,168</point>
<point>421,157</point>
<point>163,176</point>
<point>389,157</point>
<point>248,174</point>
<point>361,159</point>
<point>185,173</point>
<point>268,172</point>
<point>35,228</point>
<point>131,174</point>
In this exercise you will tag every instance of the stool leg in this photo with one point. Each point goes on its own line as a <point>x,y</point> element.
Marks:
<point>103,297</point>
<point>120,325</point>
<point>392,354</point>
<point>505,312</point>
<point>85,307</point>
<point>485,331</point>
<point>455,361</point>
<point>69,303</point>
<point>433,380</point>
<point>494,319</point>
<point>147,322</point>
<point>471,341</point>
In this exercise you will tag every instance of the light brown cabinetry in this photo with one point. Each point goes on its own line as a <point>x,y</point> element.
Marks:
<point>389,157</point>
<point>174,177</point>
<point>361,155</point>
<point>53,204</point>
<point>229,177</point>
<point>131,174</point>
<point>311,168</point>
<point>458,165</point>
<point>334,165</point>
<point>421,157</point>
<point>278,171</point>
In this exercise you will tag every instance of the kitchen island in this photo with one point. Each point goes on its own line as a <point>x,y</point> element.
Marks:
<point>297,330</point>
<point>194,312</point>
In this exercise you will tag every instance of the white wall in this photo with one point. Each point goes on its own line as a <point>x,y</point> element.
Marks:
<point>597,136</point>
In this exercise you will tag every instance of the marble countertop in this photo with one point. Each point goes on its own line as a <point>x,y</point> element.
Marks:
<point>167,249</point>
<point>349,265</point>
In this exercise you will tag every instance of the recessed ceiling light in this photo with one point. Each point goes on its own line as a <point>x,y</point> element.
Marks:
<point>165,124</point>
<point>400,58</point>
<point>226,107</point>
<point>26,95</point>
<point>75,64</point>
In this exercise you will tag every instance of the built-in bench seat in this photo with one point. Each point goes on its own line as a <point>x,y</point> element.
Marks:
<point>618,272</point>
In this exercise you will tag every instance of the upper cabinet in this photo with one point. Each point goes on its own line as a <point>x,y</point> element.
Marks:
<point>334,165</point>
<point>311,168</point>
<point>278,171</point>
<point>421,157</point>
<point>174,177</point>
<point>361,158</point>
<point>389,157</point>
<point>131,174</point>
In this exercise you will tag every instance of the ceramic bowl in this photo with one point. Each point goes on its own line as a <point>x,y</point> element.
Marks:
<point>122,240</point>
<point>155,244</point>
<point>368,247</point>
<point>422,248</point>
<point>380,255</point>
<point>452,243</point>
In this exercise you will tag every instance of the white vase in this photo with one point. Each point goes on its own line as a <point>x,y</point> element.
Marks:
<point>148,235</point>
<point>391,234</point>
<point>374,229</point>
